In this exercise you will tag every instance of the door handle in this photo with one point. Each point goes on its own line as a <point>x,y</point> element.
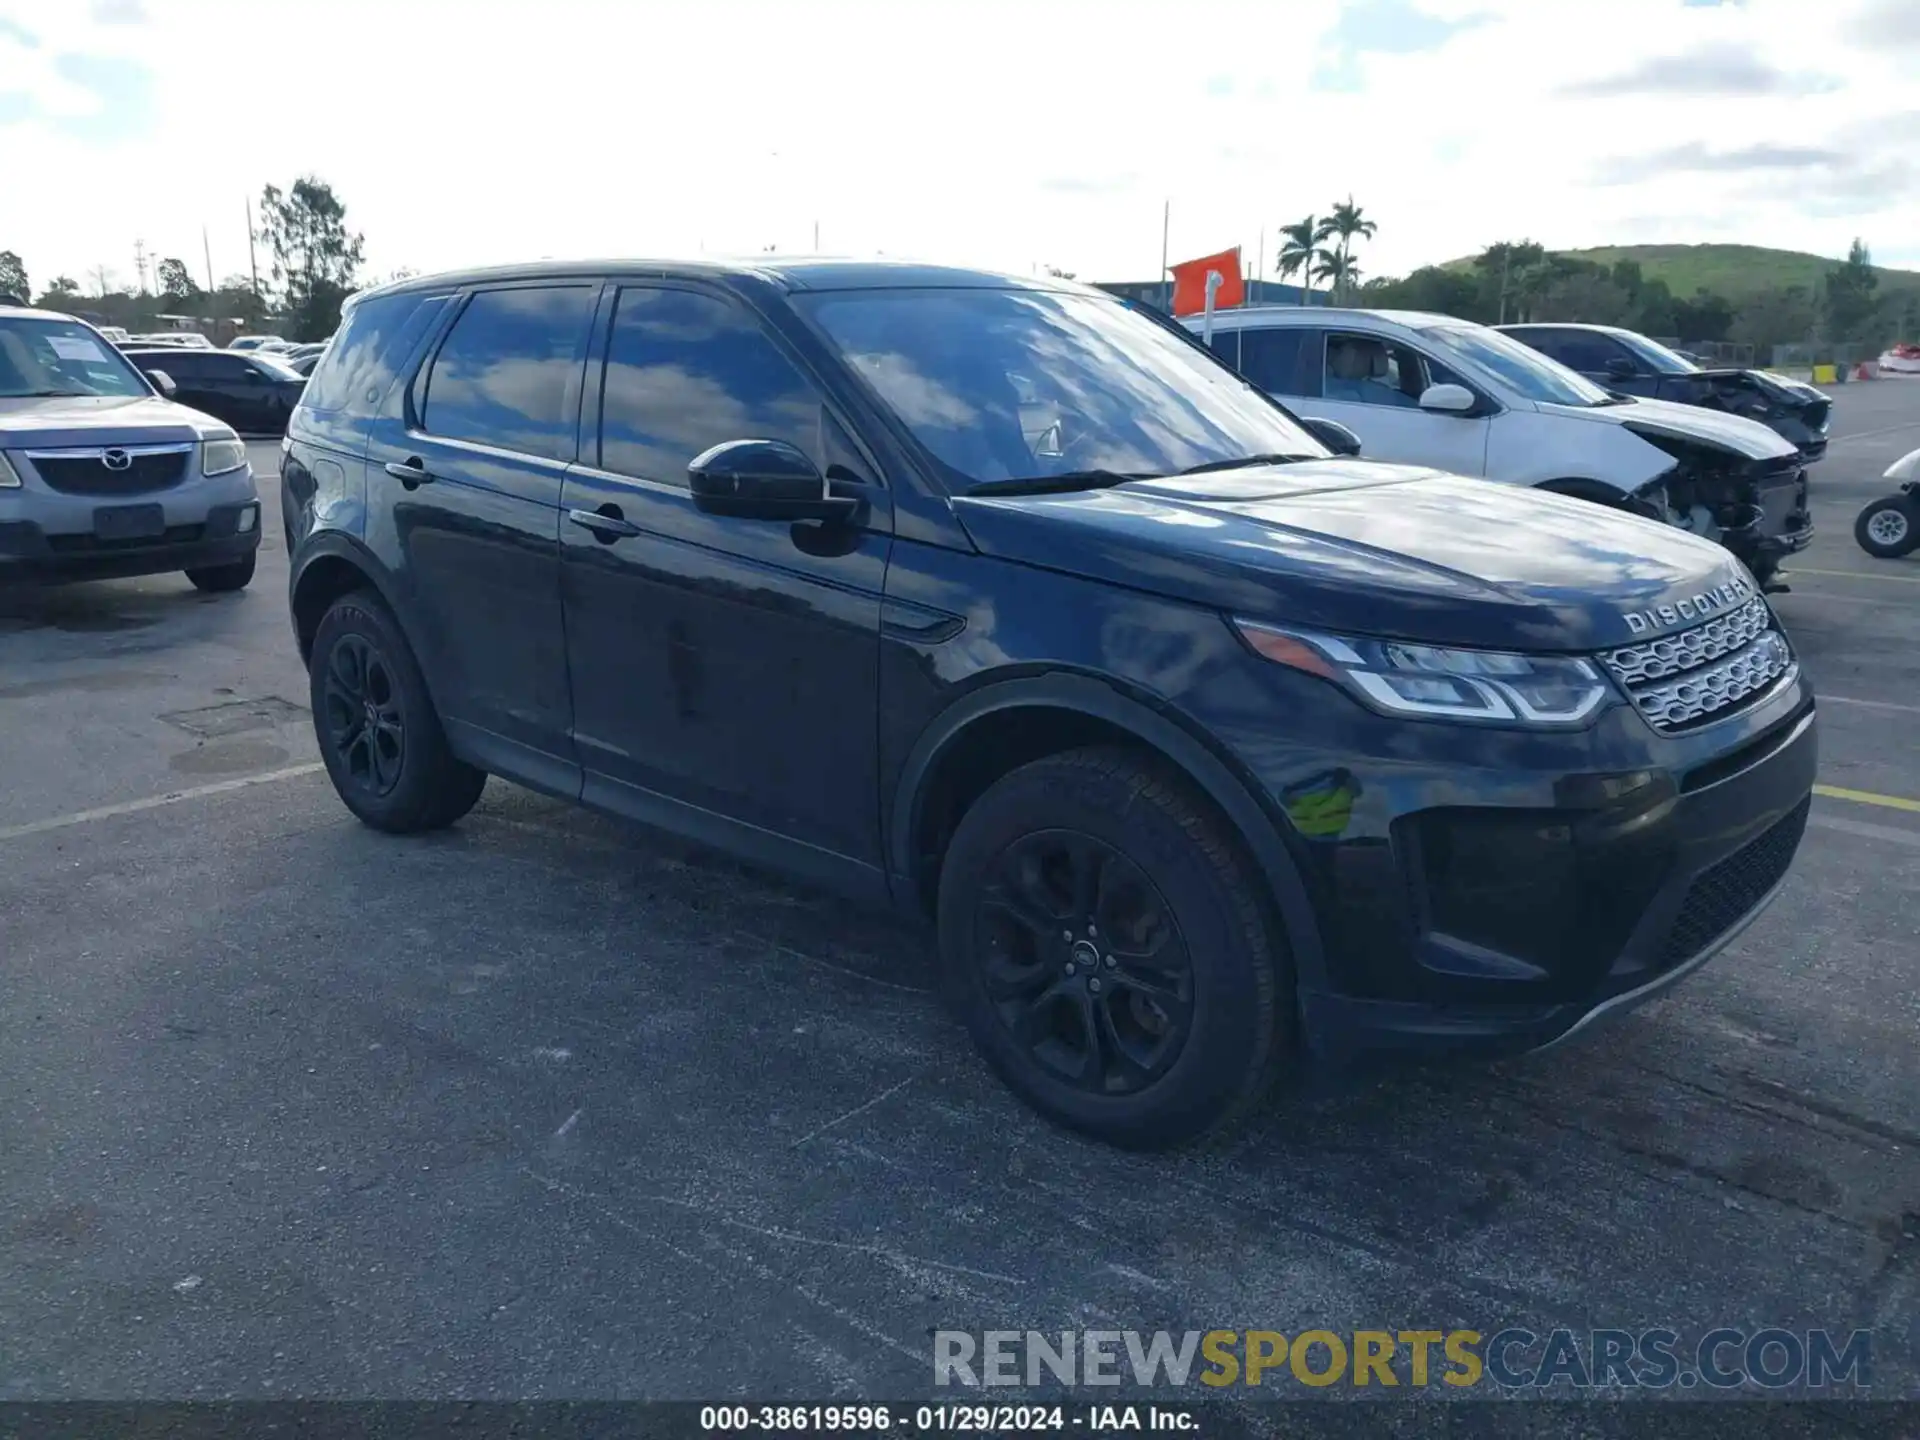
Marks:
<point>607,523</point>
<point>413,473</point>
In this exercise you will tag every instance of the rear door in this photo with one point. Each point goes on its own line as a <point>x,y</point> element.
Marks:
<point>1372,385</point>
<point>465,490</point>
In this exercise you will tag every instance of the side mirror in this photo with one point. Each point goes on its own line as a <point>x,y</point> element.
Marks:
<point>764,480</point>
<point>1621,368</point>
<point>1448,399</point>
<point>1332,434</point>
<point>162,382</point>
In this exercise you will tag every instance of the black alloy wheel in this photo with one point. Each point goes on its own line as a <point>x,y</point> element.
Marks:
<point>1083,962</point>
<point>364,721</point>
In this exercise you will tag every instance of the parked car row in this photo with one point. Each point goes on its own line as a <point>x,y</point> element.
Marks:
<point>1473,400</point>
<point>254,393</point>
<point>1209,755</point>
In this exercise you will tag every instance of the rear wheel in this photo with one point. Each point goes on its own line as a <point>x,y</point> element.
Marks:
<point>1889,527</point>
<point>219,579</point>
<point>1102,940</point>
<point>379,733</point>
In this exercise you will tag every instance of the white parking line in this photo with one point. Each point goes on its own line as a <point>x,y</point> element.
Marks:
<point>154,802</point>
<point>1869,434</point>
<point>1870,704</point>
<point>1866,829</point>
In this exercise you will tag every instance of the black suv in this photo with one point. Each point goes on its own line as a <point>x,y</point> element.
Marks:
<point>1211,755</point>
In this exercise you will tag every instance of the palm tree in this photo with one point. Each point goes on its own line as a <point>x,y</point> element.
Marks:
<point>1297,254</point>
<point>1338,267</point>
<point>1348,222</point>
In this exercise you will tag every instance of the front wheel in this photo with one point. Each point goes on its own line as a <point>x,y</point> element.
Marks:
<point>1102,940</point>
<point>1889,527</point>
<point>378,731</point>
<point>220,579</point>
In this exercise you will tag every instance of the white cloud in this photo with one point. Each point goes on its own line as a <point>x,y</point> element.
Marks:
<point>983,132</point>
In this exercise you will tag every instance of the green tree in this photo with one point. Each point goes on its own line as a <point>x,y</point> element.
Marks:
<point>63,288</point>
<point>1339,269</point>
<point>1784,316</point>
<point>176,281</point>
<point>13,275</point>
<point>1348,223</point>
<point>1849,294</point>
<point>314,255</point>
<point>1508,270</point>
<point>1706,316</point>
<point>1587,296</point>
<point>1653,310</point>
<point>1432,288</point>
<point>1298,244</point>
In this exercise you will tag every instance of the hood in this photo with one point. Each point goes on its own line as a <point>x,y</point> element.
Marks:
<point>1735,433</point>
<point>1362,548</point>
<point>63,420</point>
<point>1785,387</point>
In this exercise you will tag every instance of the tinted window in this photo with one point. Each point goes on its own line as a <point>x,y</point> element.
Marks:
<point>504,372</point>
<point>1277,360</point>
<point>223,367</point>
<point>178,364</point>
<point>375,338</point>
<point>686,372</point>
<point>1577,349</point>
<point>1517,366</point>
<point>1023,384</point>
<point>1657,357</point>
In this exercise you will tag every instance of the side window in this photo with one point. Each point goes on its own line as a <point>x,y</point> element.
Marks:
<point>223,368</point>
<point>375,337</point>
<point>1588,353</point>
<point>505,372</point>
<point>1273,359</point>
<point>181,366</point>
<point>1366,370</point>
<point>686,372</point>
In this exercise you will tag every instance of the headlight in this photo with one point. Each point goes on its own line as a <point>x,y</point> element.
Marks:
<point>1429,683</point>
<point>8,479</point>
<point>220,456</point>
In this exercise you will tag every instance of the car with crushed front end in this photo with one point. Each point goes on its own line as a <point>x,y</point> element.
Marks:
<point>1629,363</point>
<point>1435,390</point>
<point>1209,756</point>
<point>103,476</point>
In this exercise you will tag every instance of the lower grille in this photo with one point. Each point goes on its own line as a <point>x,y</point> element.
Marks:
<point>93,545</point>
<point>135,472</point>
<point>1719,897</point>
<point>1708,672</point>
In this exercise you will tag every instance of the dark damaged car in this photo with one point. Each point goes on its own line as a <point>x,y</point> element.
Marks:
<point>1433,390</point>
<point>1208,755</point>
<point>1631,364</point>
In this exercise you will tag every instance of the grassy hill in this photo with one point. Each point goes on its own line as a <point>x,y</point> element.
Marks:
<point>1729,270</point>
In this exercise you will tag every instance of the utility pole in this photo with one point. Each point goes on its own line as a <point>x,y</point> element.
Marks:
<point>206,250</point>
<point>140,266</point>
<point>253,259</point>
<point>816,237</point>
<point>1166,286</point>
<point>1506,257</point>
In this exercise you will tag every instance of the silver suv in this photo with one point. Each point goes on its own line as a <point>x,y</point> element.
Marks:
<point>103,475</point>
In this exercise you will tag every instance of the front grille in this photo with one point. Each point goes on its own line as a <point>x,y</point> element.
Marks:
<point>1719,898</point>
<point>86,472</point>
<point>1705,673</point>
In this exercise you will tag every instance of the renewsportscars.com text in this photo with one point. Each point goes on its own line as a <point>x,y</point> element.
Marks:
<point>1512,1358</point>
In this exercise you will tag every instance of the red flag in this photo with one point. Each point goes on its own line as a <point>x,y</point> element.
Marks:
<point>1190,283</point>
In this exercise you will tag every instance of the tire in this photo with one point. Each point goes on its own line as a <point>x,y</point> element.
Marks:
<point>221,579</point>
<point>1189,1039</point>
<point>1889,527</point>
<point>400,776</point>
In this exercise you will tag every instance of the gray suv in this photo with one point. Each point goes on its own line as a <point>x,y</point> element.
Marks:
<point>103,475</point>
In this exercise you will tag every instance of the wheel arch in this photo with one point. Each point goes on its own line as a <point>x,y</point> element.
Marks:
<point>1008,723</point>
<point>333,566</point>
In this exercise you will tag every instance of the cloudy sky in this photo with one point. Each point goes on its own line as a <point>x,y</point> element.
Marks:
<point>1050,132</point>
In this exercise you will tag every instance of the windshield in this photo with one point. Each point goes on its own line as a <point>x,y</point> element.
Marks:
<point>1520,367</point>
<point>1657,357</point>
<point>1020,384</point>
<point>61,357</point>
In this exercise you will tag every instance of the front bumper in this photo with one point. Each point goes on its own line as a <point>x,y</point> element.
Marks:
<point>1492,893</point>
<point>30,554</point>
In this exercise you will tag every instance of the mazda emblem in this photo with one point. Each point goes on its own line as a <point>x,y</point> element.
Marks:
<point>117,460</point>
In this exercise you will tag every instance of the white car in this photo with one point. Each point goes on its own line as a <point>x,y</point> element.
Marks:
<point>1433,390</point>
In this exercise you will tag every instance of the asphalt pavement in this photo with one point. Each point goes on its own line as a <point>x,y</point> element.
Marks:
<point>547,1107</point>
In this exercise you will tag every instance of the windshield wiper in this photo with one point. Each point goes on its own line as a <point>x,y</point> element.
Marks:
<point>51,395</point>
<point>1245,462</point>
<point>1065,481</point>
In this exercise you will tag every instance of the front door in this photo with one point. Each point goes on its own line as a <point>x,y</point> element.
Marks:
<point>1372,385</point>
<point>465,487</point>
<point>724,670</point>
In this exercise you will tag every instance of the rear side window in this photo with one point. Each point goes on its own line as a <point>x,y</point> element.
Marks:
<point>686,372</point>
<point>508,372</point>
<point>375,338</point>
<point>1282,361</point>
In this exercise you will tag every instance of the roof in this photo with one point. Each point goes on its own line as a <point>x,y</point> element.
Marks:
<point>1257,315</point>
<point>1567,325</point>
<point>32,312</point>
<point>792,273</point>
